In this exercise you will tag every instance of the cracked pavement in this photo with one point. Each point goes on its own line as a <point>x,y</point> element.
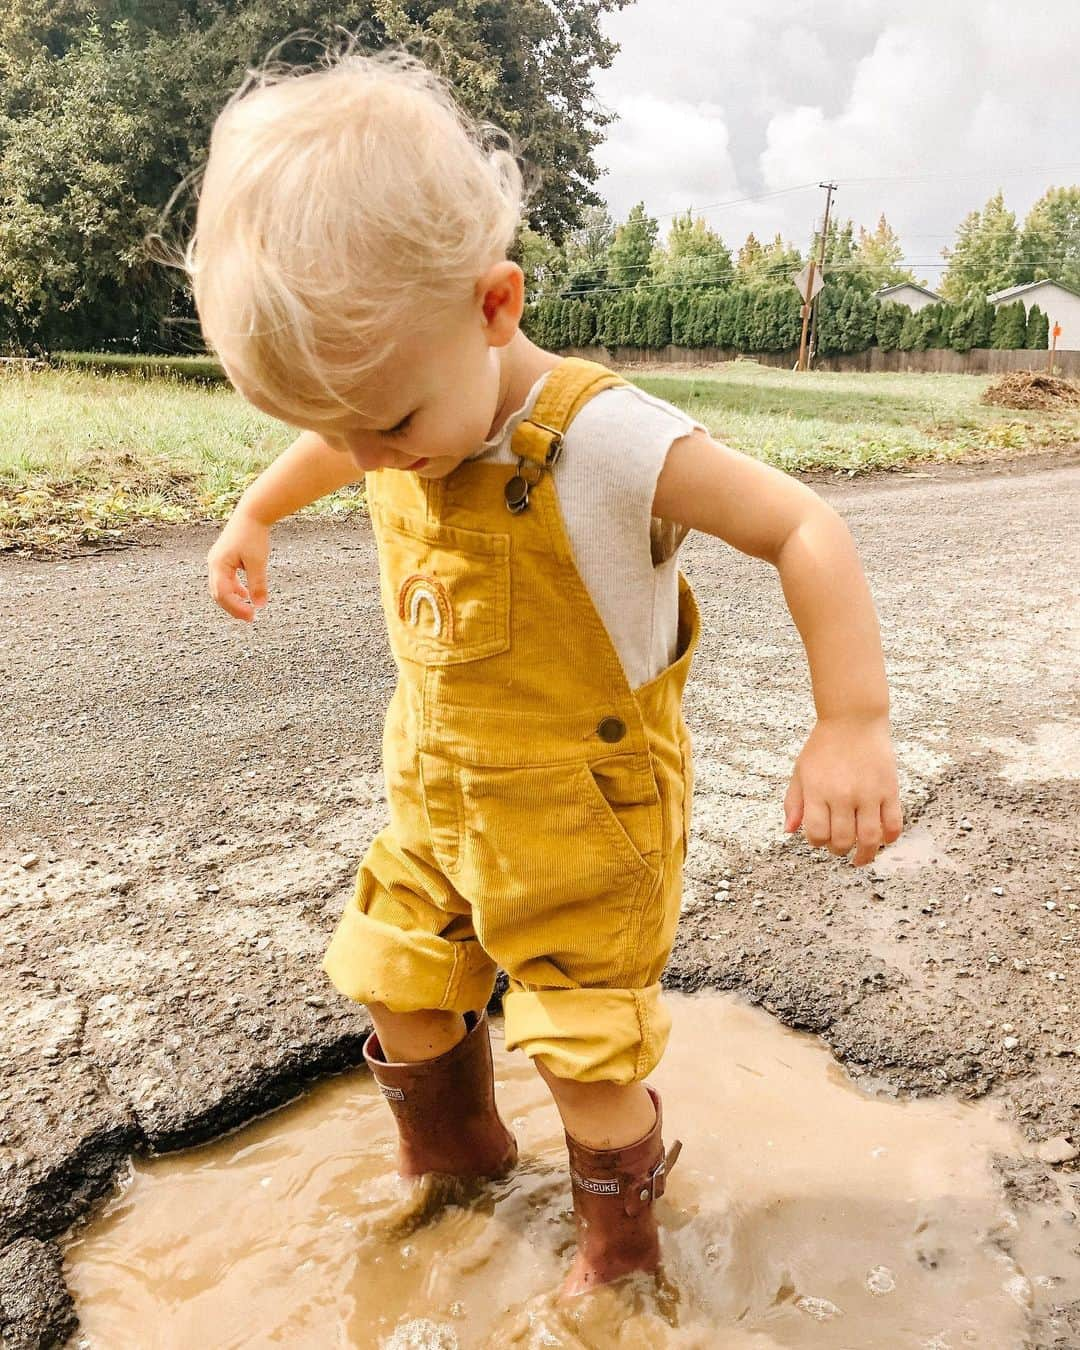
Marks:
<point>185,798</point>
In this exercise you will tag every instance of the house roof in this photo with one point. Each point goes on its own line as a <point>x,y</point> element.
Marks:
<point>907,286</point>
<point>1012,291</point>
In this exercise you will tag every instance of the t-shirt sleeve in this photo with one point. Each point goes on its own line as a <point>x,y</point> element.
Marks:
<point>635,430</point>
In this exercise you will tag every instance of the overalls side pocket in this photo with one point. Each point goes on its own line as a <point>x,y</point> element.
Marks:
<point>623,788</point>
<point>551,871</point>
<point>686,750</point>
<point>443,809</point>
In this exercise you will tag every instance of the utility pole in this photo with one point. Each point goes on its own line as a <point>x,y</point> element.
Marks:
<point>830,188</point>
<point>810,294</point>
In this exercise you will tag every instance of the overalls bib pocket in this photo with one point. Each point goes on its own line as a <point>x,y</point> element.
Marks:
<point>445,590</point>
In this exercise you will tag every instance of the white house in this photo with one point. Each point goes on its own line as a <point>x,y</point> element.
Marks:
<point>1060,304</point>
<point>907,293</point>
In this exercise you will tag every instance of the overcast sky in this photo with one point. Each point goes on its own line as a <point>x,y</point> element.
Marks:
<point>939,102</point>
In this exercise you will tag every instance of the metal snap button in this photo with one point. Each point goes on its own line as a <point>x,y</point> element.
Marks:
<point>611,729</point>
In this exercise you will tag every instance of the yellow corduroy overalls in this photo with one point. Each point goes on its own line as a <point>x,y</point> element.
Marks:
<point>539,806</point>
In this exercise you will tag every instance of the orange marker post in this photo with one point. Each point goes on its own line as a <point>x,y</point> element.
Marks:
<point>1056,333</point>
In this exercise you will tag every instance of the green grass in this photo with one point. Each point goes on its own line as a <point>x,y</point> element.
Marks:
<point>852,423</point>
<point>198,369</point>
<point>88,458</point>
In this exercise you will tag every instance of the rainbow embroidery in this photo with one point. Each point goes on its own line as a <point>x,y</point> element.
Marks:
<point>420,589</point>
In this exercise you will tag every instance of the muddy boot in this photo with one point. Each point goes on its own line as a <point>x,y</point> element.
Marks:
<point>615,1191</point>
<point>445,1108</point>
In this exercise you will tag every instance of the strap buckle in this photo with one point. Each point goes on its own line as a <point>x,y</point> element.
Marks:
<point>657,1178</point>
<point>554,450</point>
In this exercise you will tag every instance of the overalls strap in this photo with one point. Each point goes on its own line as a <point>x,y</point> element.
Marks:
<point>570,385</point>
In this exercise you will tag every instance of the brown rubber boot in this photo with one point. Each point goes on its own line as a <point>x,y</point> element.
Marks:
<point>615,1191</point>
<point>445,1108</point>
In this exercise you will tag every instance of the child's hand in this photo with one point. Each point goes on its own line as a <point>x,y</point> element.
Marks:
<point>243,543</point>
<point>843,791</point>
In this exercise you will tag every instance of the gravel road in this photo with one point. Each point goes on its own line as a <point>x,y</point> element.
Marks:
<point>184,799</point>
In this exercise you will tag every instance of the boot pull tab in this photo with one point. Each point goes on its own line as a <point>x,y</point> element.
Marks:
<point>654,1185</point>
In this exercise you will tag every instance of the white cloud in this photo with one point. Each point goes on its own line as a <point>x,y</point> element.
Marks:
<point>679,148</point>
<point>940,103</point>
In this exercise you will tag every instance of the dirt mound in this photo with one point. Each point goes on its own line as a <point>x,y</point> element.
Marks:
<point>1028,389</point>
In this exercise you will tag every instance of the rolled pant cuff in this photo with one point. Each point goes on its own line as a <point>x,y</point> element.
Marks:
<point>589,1035</point>
<point>406,970</point>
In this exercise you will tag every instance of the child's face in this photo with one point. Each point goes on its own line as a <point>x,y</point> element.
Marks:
<point>447,385</point>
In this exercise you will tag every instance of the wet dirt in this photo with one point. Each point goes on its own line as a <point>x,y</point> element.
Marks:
<point>183,801</point>
<point>803,1211</point>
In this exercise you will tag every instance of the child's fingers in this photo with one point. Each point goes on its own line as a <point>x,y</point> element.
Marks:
<point>841,829</point>
<point>869,832</point>
<point>230,593</point>
<point>256,584</point>
<point>793,805</point>
<point>892,819</point>
<point>816,826</point>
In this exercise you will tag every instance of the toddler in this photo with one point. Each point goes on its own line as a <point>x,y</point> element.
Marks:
<point>350,268</point>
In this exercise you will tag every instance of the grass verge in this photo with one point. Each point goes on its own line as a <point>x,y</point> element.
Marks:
<point>88,458</point>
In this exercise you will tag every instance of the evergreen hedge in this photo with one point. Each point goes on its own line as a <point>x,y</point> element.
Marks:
<point>766,318</point>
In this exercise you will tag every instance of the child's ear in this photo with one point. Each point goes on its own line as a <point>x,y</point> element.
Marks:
<point>501,292</point>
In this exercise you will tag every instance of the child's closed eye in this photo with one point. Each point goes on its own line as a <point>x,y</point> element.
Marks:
<point>400,429</point>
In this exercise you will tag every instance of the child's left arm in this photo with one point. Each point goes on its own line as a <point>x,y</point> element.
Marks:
<point>843,791</point>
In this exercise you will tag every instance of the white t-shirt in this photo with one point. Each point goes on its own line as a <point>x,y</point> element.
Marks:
<point>605,479</point>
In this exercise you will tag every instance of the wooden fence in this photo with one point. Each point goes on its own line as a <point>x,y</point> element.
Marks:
<point>942,361</point>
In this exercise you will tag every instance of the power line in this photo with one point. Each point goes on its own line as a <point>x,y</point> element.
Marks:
<point>950,174</point>
<point>736,201</point>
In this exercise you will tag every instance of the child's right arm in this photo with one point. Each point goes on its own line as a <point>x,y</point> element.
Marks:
<point>307,470</point>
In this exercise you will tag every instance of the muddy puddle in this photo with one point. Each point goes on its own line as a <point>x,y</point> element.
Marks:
<point>803,1212</point>
<point>916,848</point>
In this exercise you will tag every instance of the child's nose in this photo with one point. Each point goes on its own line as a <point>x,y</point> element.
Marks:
<point>372,457</point>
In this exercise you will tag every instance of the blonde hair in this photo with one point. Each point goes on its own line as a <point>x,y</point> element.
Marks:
<point>343,207</point>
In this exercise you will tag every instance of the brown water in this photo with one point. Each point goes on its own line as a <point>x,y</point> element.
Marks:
<point>803,1212</point>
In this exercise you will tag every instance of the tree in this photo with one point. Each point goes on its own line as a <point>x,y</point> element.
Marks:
<point>912,334</point>
<point>839,243</point>
<point>695,255</point>
<point>780,260</point>
<point>541,261</point>
<point>1050,239</point>
<point>877,256</point>
<point>119,97</point>
<point>984,258</point>
<point>744,299</point>
<point>938,320</point>
<point>1010,327</point>
<point>890,320</point>
<point>1038,329</point>
<point>658,319</point>
<point>725,327</point>
<point>846,318</point>
<point>585,251</point>
<point>972,324</point>
<point>81,182</point>
<point>748,257</point>
<point>631,250</point>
